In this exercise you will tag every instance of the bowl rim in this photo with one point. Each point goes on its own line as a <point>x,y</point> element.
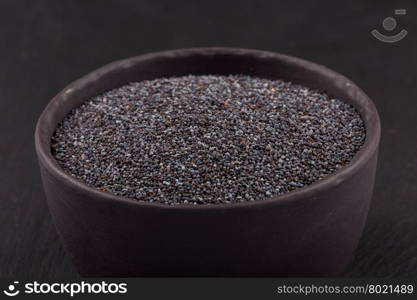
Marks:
<point>368,112</point>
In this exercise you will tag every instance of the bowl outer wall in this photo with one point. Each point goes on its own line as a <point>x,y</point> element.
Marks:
<point>310,231</point>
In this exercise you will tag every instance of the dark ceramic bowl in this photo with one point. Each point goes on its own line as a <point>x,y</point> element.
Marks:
<point>312,231</point>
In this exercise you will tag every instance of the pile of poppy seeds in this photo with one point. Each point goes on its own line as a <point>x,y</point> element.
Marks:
<point>207,139</point>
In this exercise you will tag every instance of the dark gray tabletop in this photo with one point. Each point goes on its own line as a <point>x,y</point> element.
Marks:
<point>46,44</point>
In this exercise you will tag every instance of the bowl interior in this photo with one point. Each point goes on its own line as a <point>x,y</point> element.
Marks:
<point>221,61</point>
<point>200,61</point>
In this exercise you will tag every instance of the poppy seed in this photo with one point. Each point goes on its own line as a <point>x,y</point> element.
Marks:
<point>207,139</point>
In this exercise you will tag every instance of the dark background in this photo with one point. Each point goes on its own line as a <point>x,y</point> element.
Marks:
<point>44,45</point>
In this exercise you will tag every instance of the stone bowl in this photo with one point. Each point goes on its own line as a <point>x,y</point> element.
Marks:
<point>312,231</point>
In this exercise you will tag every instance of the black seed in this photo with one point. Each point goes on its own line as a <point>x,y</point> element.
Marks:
<point>207,139</point>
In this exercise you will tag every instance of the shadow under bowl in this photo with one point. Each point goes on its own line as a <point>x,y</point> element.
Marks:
<point>312,231</point>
